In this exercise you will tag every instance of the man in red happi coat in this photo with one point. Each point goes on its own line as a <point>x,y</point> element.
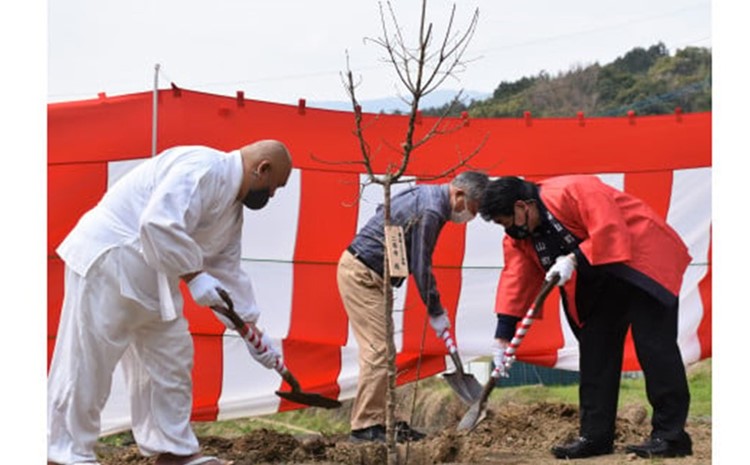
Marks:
<point>620,267</point>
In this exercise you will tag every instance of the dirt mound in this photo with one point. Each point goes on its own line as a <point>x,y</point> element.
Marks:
<point>517,434</point>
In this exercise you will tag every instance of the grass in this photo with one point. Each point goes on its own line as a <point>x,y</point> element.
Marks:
<point>320,421</point>
<point>632,391</point>
<point>304,421</point>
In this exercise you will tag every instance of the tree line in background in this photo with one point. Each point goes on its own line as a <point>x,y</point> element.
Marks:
<point>648,81</point>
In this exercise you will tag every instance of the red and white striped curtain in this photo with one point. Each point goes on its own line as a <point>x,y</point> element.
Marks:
<point>291,248</point>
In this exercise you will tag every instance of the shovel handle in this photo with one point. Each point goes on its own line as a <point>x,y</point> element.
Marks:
<point>452,350</point>
<point>448,340</point>
<point>457,361</point>
<point>249,334</point>
<point>289,378</point>
<point>475,414</point>
<point>510,352</point>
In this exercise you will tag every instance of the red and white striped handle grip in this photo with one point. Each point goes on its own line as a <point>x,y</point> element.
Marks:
<point>449,342</point>
<point>252,338</point>
<point>510,352</point>
<point>245,330</point>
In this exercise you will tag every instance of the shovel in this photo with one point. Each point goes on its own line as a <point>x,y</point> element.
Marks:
<point>465,385</point>
<point>478,410</point>
<point>297,394</point>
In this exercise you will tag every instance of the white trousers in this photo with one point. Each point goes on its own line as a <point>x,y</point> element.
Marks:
<point>97,326</point>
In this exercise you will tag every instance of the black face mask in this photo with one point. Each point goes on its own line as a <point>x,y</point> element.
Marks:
<point>256,199</point>
<point>519,232</point>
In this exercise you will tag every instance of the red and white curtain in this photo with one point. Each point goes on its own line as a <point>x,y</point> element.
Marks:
<point>291,248</point>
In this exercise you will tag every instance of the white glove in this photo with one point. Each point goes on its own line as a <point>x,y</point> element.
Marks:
<point>262,350</point>
<point>205,290</point>
<point>564,266</point>
<point>440,323</point>
<point>498,354</point>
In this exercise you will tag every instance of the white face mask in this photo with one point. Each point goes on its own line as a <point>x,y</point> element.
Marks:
<point>461,217</point>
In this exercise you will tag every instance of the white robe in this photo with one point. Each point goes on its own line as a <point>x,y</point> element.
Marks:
<point>172,215</point>
<point>175,214</point>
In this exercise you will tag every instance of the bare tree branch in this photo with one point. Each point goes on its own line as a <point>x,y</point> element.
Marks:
<point>360,193</point>
<point>339,162</point>
<point>461,163</point>
<point>363,145</point>
<point>420,70</point>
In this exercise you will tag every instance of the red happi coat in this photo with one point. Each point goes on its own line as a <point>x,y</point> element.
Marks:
<point>613,226</point>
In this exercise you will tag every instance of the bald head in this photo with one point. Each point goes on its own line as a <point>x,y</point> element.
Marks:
<point>270,150</point>
<point>266,165</point>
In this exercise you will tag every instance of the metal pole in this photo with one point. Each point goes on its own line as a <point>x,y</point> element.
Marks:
<point>155,109</point>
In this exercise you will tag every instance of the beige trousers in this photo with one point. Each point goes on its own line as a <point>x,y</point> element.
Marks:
<point>361,292</point>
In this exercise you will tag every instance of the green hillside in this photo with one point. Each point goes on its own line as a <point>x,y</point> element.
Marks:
<point>649,81</point>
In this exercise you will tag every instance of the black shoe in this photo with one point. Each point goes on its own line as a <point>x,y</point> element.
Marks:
<point>658,447</point>
<point>581,448</point>
<point>405,433</point>
<point>374,433</point>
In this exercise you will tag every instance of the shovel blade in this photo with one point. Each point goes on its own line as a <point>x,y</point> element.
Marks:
<point>471,419</point>
<point>308,398</point>
<point>478,410</point>
<point>465,386</point>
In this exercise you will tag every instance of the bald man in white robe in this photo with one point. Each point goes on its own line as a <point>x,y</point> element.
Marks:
<point>177,216</point>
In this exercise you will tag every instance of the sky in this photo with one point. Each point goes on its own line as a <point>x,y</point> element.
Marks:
<point>284,50</point>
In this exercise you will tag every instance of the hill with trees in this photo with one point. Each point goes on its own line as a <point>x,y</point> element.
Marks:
<point>648,81</point>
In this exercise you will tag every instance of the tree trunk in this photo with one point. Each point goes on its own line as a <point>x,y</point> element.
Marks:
<point>390,406</point>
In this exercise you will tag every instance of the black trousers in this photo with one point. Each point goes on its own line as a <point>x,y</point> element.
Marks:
<point>608,307</point>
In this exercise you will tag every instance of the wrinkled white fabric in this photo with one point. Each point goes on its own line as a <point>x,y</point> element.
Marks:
<point>178,214</point>
<point>166,302</point>
<point>97,327</point>
<point>174,214</point>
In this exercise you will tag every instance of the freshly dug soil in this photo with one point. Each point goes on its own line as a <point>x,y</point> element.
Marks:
<point>512,434</point>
